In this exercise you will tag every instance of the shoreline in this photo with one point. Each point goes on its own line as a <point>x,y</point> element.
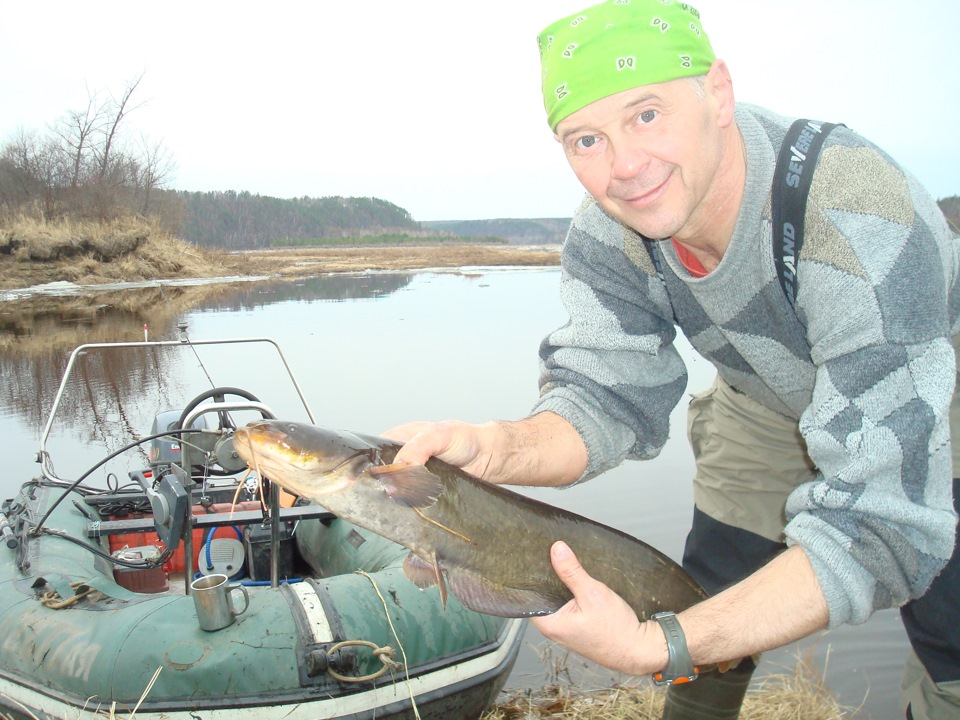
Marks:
<point>23,280</point>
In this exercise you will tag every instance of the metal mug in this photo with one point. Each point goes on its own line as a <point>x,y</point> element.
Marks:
<point>212,597</point>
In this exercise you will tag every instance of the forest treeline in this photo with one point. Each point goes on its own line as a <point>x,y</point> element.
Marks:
<point>534,231</point>
<point>246,220</point>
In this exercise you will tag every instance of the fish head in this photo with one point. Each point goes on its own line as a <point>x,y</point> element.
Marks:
<point>304,459</point>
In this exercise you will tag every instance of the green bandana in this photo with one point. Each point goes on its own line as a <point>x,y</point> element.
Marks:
<point>619,45</point>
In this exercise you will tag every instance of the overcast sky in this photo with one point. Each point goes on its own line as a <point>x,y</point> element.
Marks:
<point>435,105</point>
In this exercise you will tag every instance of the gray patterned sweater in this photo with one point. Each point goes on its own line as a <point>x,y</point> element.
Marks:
<point>865,364</point>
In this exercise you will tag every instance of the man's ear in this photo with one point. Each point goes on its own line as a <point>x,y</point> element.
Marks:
<point>719,87</point>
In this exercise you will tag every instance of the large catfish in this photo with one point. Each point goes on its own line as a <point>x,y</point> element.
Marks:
<point>487,545</point>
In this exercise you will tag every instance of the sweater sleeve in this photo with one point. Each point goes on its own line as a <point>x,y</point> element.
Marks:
<point>611,370</point>
<point>875,287</point>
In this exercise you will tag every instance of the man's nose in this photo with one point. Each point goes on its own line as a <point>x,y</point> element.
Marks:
<point>628,160</point>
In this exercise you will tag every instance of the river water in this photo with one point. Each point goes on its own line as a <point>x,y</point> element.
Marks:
<point>371,351</point>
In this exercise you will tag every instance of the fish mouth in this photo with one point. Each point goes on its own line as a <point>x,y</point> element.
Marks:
<point>256,444</point>
<point>273,454</point>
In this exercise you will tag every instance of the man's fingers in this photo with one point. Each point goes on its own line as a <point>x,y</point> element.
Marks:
<point>569,569</point>
<point>418,446</point>
<point>418,449</point>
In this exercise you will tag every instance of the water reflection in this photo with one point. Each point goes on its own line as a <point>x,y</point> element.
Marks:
<point>336,288</point>
<point>39,324</point>
<point>34,346</point>
<point>37,335</point>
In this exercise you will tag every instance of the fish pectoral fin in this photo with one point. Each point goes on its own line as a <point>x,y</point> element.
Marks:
<point>424,575</point>
<point>408,484</point>
<point>419,572</point>
<point>479,594</point>
<point>486,596</point>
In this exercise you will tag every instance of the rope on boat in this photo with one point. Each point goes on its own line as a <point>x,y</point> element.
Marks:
<point>384,654</point>
<point>52,599</point>
<point>406,666</point>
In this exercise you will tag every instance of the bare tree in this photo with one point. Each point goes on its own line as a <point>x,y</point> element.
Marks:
<point>118,109</point>
<point>32,171</point>
<point>152,168</point>
<point>83,165</point>
<point>76,129</point>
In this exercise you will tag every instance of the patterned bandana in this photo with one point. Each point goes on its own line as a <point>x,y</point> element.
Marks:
<point>619,45</point>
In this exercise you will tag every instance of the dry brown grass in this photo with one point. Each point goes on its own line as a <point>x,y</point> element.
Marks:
<point>33,252</point>
<point>298,262</point>
<point>801,695</point>
<point>30,239</point>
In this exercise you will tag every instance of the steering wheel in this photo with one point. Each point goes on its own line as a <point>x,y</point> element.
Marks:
<point>218,394</point>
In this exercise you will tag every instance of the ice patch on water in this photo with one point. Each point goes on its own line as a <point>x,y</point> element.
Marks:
<point>63,288</point>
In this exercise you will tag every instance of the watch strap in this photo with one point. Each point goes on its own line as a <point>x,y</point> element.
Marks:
<point>680,667</point>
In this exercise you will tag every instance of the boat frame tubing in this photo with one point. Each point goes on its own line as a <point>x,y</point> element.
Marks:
<point>42,456</point>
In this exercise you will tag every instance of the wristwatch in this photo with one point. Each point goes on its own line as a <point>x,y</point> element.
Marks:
<point>680,667</point>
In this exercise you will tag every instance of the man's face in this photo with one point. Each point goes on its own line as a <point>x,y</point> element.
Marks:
<point>648,155</point>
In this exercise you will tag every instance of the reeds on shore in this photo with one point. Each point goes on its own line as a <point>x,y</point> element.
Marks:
<point>798,695</point>
<point>105,251</point>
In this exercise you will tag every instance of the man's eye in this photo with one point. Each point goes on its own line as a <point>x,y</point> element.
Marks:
<point>586,142</point>
<point>647,116</point>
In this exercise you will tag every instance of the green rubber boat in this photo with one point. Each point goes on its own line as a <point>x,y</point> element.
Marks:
<point>97,612</point>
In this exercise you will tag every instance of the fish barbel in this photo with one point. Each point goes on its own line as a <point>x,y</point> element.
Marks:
<point>488,546</point>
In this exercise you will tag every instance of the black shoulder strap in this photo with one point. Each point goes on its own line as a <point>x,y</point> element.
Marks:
<point>791,184</point>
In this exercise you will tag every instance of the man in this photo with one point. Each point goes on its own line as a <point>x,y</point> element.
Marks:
<point>823,488</point>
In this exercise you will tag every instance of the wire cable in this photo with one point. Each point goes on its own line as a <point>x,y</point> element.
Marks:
<point>72,486</point>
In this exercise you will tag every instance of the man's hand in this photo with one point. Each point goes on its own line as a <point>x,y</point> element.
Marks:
<point>599,625</point>
<point>452,441</point>
<point>543,449</point>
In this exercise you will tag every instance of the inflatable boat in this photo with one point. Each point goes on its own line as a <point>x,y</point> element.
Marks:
<point>97,606</point>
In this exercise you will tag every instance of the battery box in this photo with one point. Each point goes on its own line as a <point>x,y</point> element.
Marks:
<point>257,541</point>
